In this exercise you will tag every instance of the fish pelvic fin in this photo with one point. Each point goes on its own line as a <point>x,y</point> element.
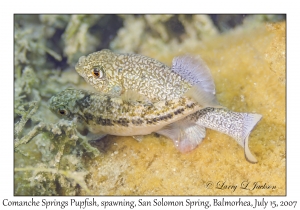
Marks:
<point>194,70</point>
<point>249,122</point>
<point>186,135</point>
<point>139,138</point>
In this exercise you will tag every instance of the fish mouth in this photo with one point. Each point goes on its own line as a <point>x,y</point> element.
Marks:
<point>79,65</point>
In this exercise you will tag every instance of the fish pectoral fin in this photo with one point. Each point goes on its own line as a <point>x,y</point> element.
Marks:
<point>131,95</point>
<point>194,70</point>
<point>186,135</point>
<point>115,91</point>
<point>139,138</point>
<point>249,122</point>
<point>91,136</point>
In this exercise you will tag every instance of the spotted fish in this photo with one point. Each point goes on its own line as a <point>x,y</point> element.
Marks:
<point>118,73</point>
<point>110,72</point>
<point>105,114</point>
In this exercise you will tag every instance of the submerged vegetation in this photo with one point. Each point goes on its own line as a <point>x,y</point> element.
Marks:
<point>51,156</point>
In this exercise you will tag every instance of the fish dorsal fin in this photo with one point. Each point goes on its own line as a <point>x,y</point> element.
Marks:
<point>194,70</point>
<point>185,134</point>
<point>131,95</point>
<point>249,122</point>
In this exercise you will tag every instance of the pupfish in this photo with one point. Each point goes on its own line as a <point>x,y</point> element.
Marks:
<point>118,73</point>
<point>105,114</point>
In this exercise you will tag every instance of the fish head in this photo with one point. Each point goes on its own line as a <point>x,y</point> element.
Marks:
<point>100,69</point>
<point>65,105</point>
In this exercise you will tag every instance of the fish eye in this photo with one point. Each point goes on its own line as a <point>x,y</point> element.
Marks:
<point>98,72</point>
<point>62,111</point>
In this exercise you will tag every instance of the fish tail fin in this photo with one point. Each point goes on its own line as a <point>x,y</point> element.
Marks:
<point>185,134</point>
<point>194,70</point>
<point>249,122</point>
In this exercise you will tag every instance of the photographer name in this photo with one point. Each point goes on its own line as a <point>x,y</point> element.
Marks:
<point>245,185</point>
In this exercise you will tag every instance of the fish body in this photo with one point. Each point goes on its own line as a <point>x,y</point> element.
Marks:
<point>106,114</point>
<point>181,119</point>
<point>131,72</point>
<point>117,73</point>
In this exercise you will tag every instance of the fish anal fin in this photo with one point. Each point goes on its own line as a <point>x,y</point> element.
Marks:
<point>186,135</point>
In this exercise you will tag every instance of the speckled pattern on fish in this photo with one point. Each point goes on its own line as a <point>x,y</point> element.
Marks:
<point>131,71</point>
<point>225,121</point>
<point>117,73</point>
<point>106,114</point>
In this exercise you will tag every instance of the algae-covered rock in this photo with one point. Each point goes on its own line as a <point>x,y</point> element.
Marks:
<point>53,158</point>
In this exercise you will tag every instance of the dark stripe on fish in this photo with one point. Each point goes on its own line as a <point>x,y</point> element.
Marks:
<point>84,102</point>
<point>88,117</point>
<point>122,121</point>
<point>104,122</point>
<point>137,122</point>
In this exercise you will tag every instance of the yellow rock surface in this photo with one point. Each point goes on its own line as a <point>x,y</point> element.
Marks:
<point>248,66</point>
